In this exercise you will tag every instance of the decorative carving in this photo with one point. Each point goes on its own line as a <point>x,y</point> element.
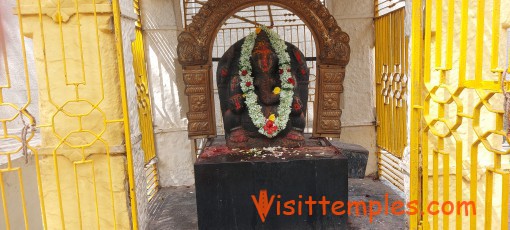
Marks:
<point>194,43</point>
<point>194,52</point>
<point>332,113</point>
<point>197,116</point>
<point>195,89</point>
<point>333,77</point>
<point>330,88</point>
<point>331,101</point>
<point>330,124</point>
<point>198,103</point>
<point>190,52</point>
<point>201,108</point>
<point>335,88</point>
<point>194,78</point>
<point>198,126</point>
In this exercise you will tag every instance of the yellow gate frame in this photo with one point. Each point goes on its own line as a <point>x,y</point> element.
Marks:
<point>431,130</point>
<point>97,186</point>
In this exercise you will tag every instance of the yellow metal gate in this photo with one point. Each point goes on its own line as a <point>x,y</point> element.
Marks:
<point>58,59</point>
<point>391,82</point>
<point>457,155</point>
<point>391,69</point>
<point>144,105</point>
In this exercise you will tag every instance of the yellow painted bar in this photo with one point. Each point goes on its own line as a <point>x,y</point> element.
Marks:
<point>446,187</point>
<point>78,203</point>
<point>496,11</point>
<point>114,216</point>
<point>427,43</point>
<point>99,58</point>
<point>449,34</point>
<point>24,53</point>
<point>425,181</point>
<point>458,178</point>
<point>80,42</point>
<point>416,34</point>
<point>440,146</point>
<point>435,186</point>
<point>4,202</point>
<point>142,84</point>
<point>426,78</point>
<point>488,199</point>
<point>6,68</point>
<point>480,15</point>
<point>463,42</point>
<point>59,191</point>
<point>64,59</point>
<point>385,75</point>
<point>39,186</point>
<point>127,132</point>
<point>497,161</point>
<point>23,201</point>
<point>504,199</point>
<point>44,53</point>
<point>95,196</point>
<point>425,143</point>
<point>485,85</point>
<point>75,166</point>
<point>439,33</point>
<point>473,184</point>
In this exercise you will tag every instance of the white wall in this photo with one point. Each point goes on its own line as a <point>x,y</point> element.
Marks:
<point>161,20</point>
<point>358,116</point>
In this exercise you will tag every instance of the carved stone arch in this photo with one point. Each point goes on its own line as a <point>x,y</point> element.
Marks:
<point>195,46</point>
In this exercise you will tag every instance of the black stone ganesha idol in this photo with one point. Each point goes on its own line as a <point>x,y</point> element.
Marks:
<point>240,130</point>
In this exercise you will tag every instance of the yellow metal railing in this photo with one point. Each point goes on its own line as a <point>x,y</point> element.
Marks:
<point>80,164</point>
<point>383,7</point>
<point>127,133</point>
<point>457,113</point>
<point>391,82</point>
<point>144,105</point>
<point>142,89</point>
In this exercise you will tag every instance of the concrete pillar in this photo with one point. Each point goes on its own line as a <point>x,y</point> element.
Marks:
<point>82,158</point>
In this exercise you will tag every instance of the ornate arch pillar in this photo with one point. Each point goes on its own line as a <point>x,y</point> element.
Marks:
<point>195,55</point>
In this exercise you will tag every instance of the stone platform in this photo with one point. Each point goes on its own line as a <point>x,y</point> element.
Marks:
<point>271,188</point>
<point>357,156</point>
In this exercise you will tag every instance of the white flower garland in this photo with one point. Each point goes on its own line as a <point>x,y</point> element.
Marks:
<point>272,125</point>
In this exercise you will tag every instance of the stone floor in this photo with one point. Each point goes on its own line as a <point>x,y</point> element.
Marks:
<point>174,208</point>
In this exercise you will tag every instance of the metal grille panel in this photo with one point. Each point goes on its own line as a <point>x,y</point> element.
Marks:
<point>80,131</point>
<point>458,101</point>
<point>391,70</point>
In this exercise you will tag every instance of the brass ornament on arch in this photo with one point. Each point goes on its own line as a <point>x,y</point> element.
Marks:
<point>195,46</point>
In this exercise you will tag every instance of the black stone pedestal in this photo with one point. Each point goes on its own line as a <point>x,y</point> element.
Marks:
<point>229,185</point>
<point>357,156</point>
